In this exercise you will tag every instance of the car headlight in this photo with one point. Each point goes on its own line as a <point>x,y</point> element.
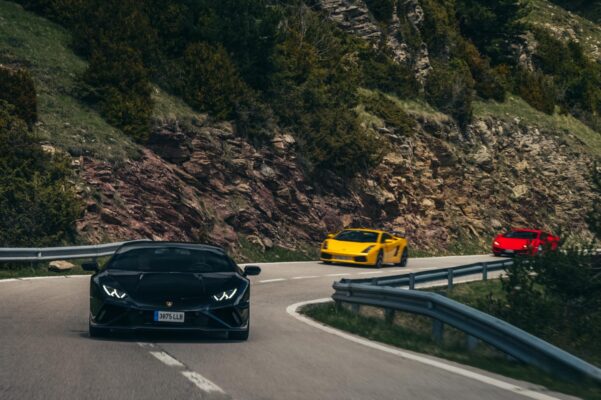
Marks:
<point>526,246</point>
<point>496,243</point>
<point>325,245</point>
<point>112,292</point>
<point>368,249</point>
<point>226,295</point>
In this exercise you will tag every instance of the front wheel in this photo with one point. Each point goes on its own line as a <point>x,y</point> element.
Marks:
<point>96,332</point>
<point>404,258</point>
<point>379,260</point>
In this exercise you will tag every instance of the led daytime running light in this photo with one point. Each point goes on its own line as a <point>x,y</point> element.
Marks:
<point>227,295</point>
<point>112,292</point>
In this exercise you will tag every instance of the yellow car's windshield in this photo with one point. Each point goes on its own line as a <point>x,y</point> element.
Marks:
<point>357,236</point>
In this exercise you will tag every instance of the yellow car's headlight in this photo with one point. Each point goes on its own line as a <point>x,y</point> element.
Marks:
<point>368,249</point>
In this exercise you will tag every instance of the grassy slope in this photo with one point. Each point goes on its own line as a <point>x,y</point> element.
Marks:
<point>564,24</point>
<point>64,120</point>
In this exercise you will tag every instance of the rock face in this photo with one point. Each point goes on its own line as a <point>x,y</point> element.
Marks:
<point>354,17</point>
<point>204,183</point>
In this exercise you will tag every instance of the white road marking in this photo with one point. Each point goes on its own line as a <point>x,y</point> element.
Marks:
<point>272,280</point>
<point>370,272</point>
<point>339,274</point>
<point>201,382</point>
<point>293,310</point>
<point>146,345</point>
<point>8,280</point>
<point>166,359</point>
<point>306,277</point>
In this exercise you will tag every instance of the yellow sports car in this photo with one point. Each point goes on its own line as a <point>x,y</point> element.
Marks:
<point>364,247</point>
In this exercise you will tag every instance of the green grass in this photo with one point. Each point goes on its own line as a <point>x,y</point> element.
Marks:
<point>413,333</point>
<point>565,25</point>
<point>516,108</point>
<point>251,252</point>
<point>43,47</point>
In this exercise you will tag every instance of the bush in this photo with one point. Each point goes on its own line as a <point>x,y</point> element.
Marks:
<point>38,206</point>
<point>382,10</point>
<point>116,82</point>
<point>451,89</point>
<point>17,88</point>
<point>556,296</point>
<point>389,112</point>
<point>537,89</point>
<point>594,215</point>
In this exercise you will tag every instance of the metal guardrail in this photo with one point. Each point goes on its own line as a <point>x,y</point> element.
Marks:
<point>411,279</point>
<point>500,334</point>
<point>59,253</point>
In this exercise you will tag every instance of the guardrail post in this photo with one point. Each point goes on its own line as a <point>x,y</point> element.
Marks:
<point>411,281</point>
<point>484,271</point>
<point>450,280</point>
<point>437,331</point>
<point>471,343</point>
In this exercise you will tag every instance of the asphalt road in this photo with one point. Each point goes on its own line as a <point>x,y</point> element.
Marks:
<point>45,351</point>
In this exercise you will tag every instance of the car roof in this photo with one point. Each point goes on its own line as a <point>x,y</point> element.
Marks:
<point>141,244</point>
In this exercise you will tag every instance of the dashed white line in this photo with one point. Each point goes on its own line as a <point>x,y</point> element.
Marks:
<point>345,274</point>
<point>201,382</point>
<point>272,280</point>
<point>166,359</point>
<point>305,277</point>
<point>370,272</point>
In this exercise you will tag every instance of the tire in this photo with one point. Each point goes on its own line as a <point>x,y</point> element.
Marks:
<point>404,258</point>
<point>238,335</point>
<point>379,260</point>
<point>96,332</point>
<point>327,262</point>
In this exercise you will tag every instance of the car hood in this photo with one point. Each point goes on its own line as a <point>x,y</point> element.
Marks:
<point>512,243</point>
<point>180,288</point>
<point>340,246</point>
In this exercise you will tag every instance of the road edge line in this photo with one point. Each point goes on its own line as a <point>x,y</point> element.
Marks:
<point>436,363</point>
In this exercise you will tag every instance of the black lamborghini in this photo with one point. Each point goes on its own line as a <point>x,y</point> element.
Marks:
<point>170,286</point>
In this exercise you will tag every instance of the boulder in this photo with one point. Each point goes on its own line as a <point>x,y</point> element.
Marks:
<point>60,266</point>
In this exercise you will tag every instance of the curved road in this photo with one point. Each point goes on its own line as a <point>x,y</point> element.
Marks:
<point>45,351</point>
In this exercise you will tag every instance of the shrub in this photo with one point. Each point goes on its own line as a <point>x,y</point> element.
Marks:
<point>537,89</point>
<point>594,215</point>
<point>38,206</point>
<point>450,88</point>
<point>116,82</point>
<point>382,10</point>
<point>17,88</point>
<point>389,112</point>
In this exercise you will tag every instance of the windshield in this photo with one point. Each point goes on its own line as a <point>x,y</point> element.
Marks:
<point>521,235</point>
<point>357,236</point>
<point>172,259</point>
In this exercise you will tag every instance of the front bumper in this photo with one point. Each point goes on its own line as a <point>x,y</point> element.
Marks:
<point>498,251</point>
<point>355,259</point>
<point>127,317</point>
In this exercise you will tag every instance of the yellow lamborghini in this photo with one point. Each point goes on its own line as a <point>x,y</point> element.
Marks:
<point>364,247</point>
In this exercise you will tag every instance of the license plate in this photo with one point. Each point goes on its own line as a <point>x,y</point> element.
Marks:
<point>169,316</point>
<point>509,251</point>
<point>344,258</point>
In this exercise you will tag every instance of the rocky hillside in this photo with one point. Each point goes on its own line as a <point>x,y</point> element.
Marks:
<point>197,177</point>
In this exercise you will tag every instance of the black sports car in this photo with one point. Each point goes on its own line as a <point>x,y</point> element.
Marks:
<point>165,286</point>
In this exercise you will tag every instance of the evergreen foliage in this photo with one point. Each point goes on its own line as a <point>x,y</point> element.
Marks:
<point>37,203</point>
<point>17,87</point>
<point>382,10</point>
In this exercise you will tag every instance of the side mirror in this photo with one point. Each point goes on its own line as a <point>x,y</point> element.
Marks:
<point>90,266</point>
<point>252,270</point>
<point>388,241</point>
<point>330,236</point>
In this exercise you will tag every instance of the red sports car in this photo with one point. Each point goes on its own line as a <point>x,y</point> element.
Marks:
<point>528,242</point>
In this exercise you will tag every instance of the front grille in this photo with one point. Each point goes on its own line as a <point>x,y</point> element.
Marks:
<point>326,256</point>
<point>361,259</point>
